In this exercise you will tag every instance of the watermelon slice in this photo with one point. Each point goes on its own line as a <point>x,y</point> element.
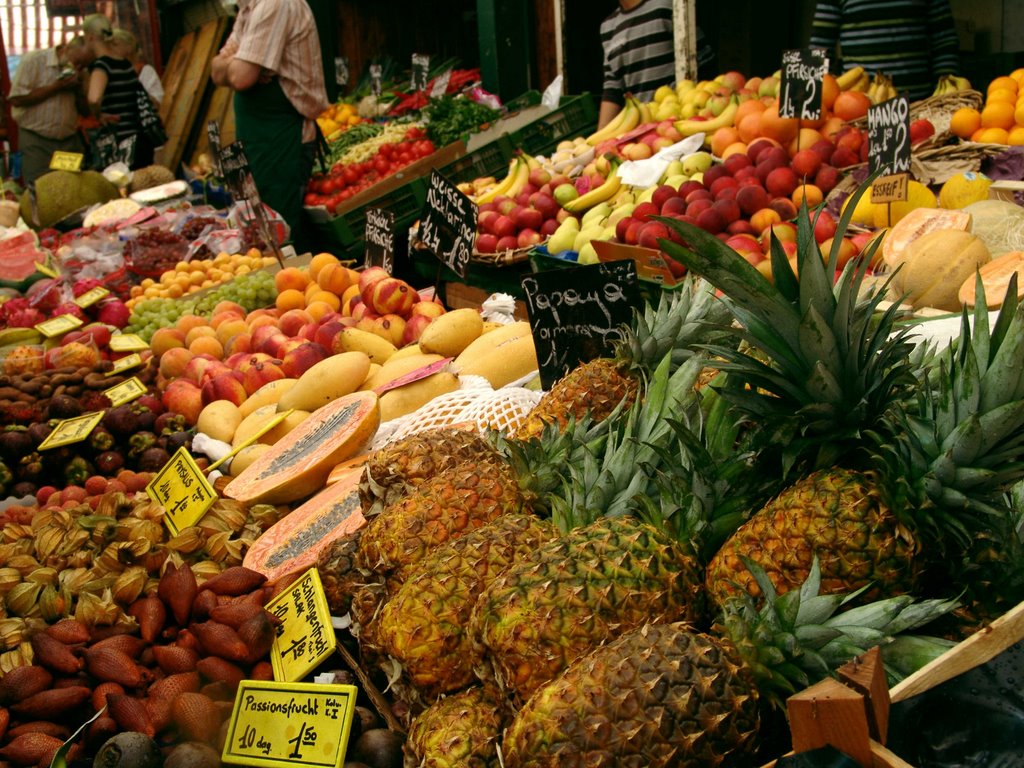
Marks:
<point>18,256</point>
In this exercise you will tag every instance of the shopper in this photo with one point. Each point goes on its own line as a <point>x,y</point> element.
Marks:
<point>128,47</point>
<point>113,89</point>
<point>912,41</point>
<point>639,53</point>
<point>272,62</point>
<point>46,101</point>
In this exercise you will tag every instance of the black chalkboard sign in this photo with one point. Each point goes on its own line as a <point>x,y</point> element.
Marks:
<point>420,72</point>
<point>448,223</point>
<point>213,139</point>
<point>380,239</point>
<point>233,160</point>
<point>576,314</point>
<point>800,89</point>
<point>889,136</point>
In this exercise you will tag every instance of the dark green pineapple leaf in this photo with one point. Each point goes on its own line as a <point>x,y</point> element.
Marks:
<point>1007,312</point>
<point>762,580</point>
<point>783,276</point>
<point>815,284</point>
<point>812,635</point>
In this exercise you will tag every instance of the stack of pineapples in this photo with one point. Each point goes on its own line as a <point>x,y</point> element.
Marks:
<point>636,590</point>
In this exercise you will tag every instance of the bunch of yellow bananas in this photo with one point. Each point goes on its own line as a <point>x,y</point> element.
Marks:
<point>630,116</point>
<point>517,177</point>
<point>854,79</point>
<point>881,89</point>
<point>951,84</point>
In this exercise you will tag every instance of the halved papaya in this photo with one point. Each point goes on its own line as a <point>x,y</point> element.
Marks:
<point>298,464</point>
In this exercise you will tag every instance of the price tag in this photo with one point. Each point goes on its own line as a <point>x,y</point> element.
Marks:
<point>800,89</point>
<point>305,637</point>
<point>283,725</point>
<point>420,72</point>
<point>440,87</point>
<point>380,239</point>
<point>889,149</point>
<point>341,71</point>
<point>91,296</point>
<point>376,75</point>
<point>66,161</point>
<point>71,430</point>
<point>127,342</point>
<point>125,363</point>
<point>182,490</point>
<point>47,268</point>
<point>59,325</point>
<point>126,391</point>
<point>448,223</point>
<point>576,314</point>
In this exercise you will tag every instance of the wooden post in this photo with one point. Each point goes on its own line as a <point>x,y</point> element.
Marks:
<point>866,675</point>
<point>830,713</point>
<point>684,16</point>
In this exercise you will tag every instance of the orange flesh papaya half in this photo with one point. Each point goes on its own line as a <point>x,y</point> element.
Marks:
<point>299,463</point>
<point>293,544</point>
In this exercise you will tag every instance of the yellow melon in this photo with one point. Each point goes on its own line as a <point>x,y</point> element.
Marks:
<point>963,189</point>
<point>918,196</point>
<point>935,265</point>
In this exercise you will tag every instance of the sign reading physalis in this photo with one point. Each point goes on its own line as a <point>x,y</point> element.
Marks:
<point>305,636</point>
<point>182,490</point>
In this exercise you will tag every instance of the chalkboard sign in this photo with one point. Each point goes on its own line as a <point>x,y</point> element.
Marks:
<point>233,160</point>
<point>213,139</point>
<point>341,71</point>
<point>889,136</point>
<point>800,89</point>
<point>380,239</point>
<point>376,75</point>
<point>576,314</point>
<point>448,225</point>
<point>420,72</point>
<point>440,87</point>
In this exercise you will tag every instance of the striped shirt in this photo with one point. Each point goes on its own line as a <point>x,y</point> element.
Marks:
<point>120,97</point>
<point>281,37</point>
<point>57,116</point>
<point>912,41</point>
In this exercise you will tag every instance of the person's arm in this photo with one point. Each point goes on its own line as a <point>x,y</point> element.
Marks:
<point>98,80</point>
<point>613,85</point>
<point>243,75</point>
<point>828,19</point>
<point>945,46</point>
<point>219,65</point>
<point>43,92</point>
<point>609,109</point>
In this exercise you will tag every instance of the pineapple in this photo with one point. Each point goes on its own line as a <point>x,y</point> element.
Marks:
<point>460,731</point>
<point>897,460</point>
<point>684,318</point>
<point>667,695</point>
<point>338,572</point>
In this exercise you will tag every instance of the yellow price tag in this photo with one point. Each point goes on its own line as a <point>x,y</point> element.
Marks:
<point>125,363</point>
<point>59,325</point>
<point>281,725</point>
<point>255,436</point>
<point>182,490</point>
<point>126,391</point>
<point>127,342</point>
<point>91,296</point>
<point>72,430</point>
<point>305,637</point>
<point>66,161</point>
<point>47,269</point>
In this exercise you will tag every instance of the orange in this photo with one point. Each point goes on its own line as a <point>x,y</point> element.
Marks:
<point>1018,114</point>
<point>964,122</point>
<point>723,138</point>
<point>1005,81</point>
<point>290,298</point>
<point>1002,94</point>
<point>808,192</point>
<point>992,136</point>
<point>997,115</point>
<point>750,106</point>
<point>1016,136</point>
<point>851,104</point>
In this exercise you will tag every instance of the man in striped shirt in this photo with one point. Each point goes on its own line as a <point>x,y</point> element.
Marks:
<point>639,53</point>
<point>912,41</point>
<point>272,62</point>
<point>46,96</point>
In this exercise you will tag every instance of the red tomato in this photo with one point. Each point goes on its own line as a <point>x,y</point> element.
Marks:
<point>311,199</point>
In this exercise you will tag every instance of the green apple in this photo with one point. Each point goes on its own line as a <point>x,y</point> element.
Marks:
<point>565,193</point>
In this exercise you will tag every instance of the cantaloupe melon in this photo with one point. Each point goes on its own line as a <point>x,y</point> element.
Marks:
<point>294,543</point>
<point>918,222</point>
<point>995,277</point>
<point>935,265</point>
<point>299,463</point>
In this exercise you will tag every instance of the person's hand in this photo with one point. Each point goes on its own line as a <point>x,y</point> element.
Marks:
<point>67,82</point>
<point>106,119</point>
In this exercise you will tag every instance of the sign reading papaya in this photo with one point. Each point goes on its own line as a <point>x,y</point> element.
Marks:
<point>71,431</point>
<point>126,391</point>
<point>305,636</point>
<point>889,148</point>
<point>577,314</point>
<point>59,325</point>
<point>182,490</point>
<point>380,239</point>
<point>803,70</point>
<point>448,223</point>
<point>282,725</point>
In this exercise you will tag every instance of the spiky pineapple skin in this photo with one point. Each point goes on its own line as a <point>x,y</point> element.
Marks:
<point>578,591</point>
<point>837,514</point>
<point>460,731</point>
<point>659,696</point>
<point>425,625</point>
<point>339,574</point>
<point>445,507</point>
<point>394,470</point>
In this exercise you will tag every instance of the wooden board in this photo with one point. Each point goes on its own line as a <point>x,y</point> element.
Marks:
<point>184,104</point>
<point>173,72</point>
<point>220,109</point>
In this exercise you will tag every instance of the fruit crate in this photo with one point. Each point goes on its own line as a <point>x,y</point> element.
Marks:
<point>492,159</point>
<point>575,116</point>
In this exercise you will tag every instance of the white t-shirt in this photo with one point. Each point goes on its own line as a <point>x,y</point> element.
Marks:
<point>151,82</point>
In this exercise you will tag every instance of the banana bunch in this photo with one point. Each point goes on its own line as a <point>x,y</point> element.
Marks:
<point>510,186</point>
<point>881,89</point>
<point>854,79</point>
<point>951,84</point>
<point>600,194</point>
<point>629,117</point>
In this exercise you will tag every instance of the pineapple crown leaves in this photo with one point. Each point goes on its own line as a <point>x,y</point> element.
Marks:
<point>794,640</point>
<point>835,363</point>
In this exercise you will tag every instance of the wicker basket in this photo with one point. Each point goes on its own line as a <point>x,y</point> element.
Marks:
<point>937,110</point>
<point>503,259</point>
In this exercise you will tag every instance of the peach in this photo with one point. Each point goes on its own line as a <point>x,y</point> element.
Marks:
<point>781,182</point>
<point>184,397</point>
<point>326,332</point>
<point>291,278</point>
<point>807,193</point>
<point>240,342</point>
<point>217,318</point>
<point>784,207</point>
<point>229,306</point>
<point>224,386</point>
<point>290,298</point>
<point>202,367</point>
<point>207,345</point>
<point>370,276</point>
<point>230,329</point>
<point>263,321</point>
<point>261,335</point>
<point>165,339</point>
<point>259,373</point>
<point>847,250</point>
<point>806,163</point>
<point>187,322</point>
<point>764,218</point>
<point>318,262</point>
<point>751,198</point>
<point>174,361</point>
<point>318,310</point>
<point>303,357</point>
<point>414,327</point>
<point>391,296</point>
<point>332,300</point>
<point>292,320</point>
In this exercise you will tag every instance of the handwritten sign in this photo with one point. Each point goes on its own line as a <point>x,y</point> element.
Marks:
<point>305,637</point>
<point>59,325</point>
<point>126,391</point>
<point>380,239</point>
<point>448,225</point>
<point>889,148</point>
<point>376,78</point>
<point>125,363</point>
<point>213,139</point>
<point>66,161</point>
<point>341,73</point>
<point>182,490</point>
<point>576,314</point>
<point>91,296</point>
<point>281,725</point>
<point>440,87</point>
<point>420,72</point>
<point>127,342</point>
<point>800,89</point>
<point>71,431</point>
